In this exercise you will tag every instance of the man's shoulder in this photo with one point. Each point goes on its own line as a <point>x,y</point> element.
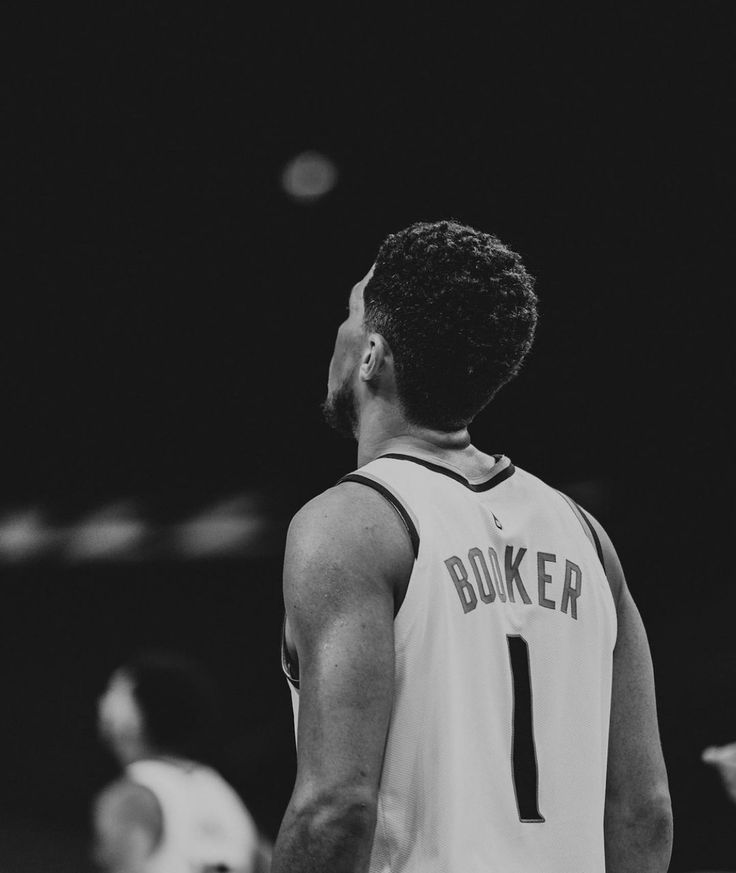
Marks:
<point>327,502</point>
<point>346,507</point>
<point>128,825</point>
<point>349,525</point>
<point>126,800</point>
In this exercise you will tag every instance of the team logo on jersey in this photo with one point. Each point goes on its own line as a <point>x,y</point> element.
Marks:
<point>498,523</point>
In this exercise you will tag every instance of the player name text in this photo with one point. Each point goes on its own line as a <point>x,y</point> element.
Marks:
<point>485,581</point>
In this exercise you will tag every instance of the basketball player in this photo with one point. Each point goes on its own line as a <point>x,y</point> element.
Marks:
<point>168,813</point>
<point>472,683</point>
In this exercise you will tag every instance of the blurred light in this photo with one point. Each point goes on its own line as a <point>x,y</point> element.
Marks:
<point>231,527</point>
<point>114,531</point>
<point>118,532</point>
<point>24,535</point>
<point>309,176</point>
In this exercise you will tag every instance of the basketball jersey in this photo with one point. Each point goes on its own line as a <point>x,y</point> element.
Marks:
<point>496,753</point>
<point>206,827</point>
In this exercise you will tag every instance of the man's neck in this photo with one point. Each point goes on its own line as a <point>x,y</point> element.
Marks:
<point>140,751</point>
<point>393,433</point>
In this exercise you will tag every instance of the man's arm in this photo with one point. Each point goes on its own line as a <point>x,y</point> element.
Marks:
<point>346,553</point>
<point>127,824</point>
<point>638,813</point>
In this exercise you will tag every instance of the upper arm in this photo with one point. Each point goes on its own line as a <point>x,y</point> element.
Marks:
<point>345,553</point>
<point>128,824</point>
<point>636,769</point>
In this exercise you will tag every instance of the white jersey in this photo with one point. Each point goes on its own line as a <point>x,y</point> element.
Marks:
<point>496,754</point>
<point>206,827</point>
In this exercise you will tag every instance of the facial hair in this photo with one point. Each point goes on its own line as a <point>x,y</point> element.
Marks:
<point>340,411</point>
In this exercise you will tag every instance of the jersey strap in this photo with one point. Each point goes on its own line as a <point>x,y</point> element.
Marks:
<point>291,670</point>
<point>582,517</point>
<point>501,471</point>
<point>401,510</point>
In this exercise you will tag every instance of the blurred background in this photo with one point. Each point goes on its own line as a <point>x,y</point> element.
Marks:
<point>190,194</point>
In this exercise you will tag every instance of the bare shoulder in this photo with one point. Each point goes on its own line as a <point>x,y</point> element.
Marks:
<point>351,529</point>
<point>126,802</point>
<point>128,826</point>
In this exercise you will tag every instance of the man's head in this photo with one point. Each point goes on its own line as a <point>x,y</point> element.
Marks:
<point>157,704</point>
<point>453,309</point>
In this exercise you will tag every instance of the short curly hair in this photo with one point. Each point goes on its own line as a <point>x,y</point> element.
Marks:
<point>458,310</point>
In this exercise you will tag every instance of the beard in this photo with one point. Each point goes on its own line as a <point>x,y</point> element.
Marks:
<point>340,411</point>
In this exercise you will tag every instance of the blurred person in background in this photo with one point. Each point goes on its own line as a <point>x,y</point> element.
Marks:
<point>471,679</point>
<point>723,758</point>
<point>169,812</point>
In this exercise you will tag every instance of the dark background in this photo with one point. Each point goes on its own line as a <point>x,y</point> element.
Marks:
<point>168,314</point>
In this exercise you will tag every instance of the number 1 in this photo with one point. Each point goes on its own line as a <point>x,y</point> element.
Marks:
<point>523,752</point>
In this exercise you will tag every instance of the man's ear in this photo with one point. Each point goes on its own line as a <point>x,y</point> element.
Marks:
<point>375,358</point>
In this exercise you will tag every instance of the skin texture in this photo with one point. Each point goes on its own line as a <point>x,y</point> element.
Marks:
<point>638,812</point>
<point>348,560</point>
<point>341,571</point>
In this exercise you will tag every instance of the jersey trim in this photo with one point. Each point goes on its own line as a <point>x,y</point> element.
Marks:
<point>403,514</point>
<point>590,532</point>
<point>286,664</point>
<point>495,478</point>
<point>596,541</point>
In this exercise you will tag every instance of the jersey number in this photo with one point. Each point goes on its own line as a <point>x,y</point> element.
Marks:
<point>523,752</point>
